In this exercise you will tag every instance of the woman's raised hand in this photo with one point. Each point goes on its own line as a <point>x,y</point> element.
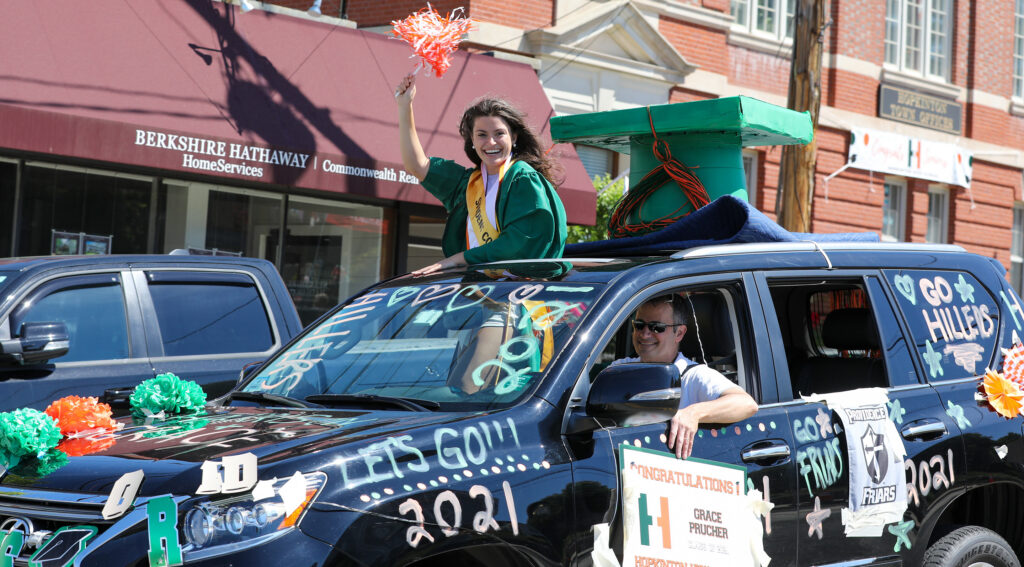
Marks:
<point>406,89</point>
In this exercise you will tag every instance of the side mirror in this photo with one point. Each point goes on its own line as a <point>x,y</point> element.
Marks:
<point>248,369</point>
<point>647,392</point>
<point>37,342</point>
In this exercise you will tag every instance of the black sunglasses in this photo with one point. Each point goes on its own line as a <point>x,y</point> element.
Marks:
<point>652,326</point>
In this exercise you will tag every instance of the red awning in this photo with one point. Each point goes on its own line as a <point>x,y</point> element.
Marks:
<point>198,87</point>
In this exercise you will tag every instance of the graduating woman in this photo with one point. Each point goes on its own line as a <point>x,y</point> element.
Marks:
<point>504,208</point>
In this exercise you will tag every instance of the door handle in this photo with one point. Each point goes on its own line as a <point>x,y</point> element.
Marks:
<point>769,451</point>
<point>923,429</point>
<point>117,397</point>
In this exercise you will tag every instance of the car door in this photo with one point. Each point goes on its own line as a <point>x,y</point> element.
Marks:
<point>960,325</point>
<point>102,318</point>
<point>731,335</point>
<point>833,336</point>
<point>205,325</point>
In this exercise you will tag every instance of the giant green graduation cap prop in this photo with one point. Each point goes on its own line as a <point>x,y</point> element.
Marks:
<point>707,136</point>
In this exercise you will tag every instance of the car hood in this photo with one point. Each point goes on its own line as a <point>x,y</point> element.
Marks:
<point>171,451</point>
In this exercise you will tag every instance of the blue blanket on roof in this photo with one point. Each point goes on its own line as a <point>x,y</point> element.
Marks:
<point>726,220</point>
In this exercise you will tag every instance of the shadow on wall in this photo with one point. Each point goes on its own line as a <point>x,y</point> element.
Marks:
<point>262,101</point>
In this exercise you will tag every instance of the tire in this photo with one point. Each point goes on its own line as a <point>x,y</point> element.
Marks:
<point>971,546</point>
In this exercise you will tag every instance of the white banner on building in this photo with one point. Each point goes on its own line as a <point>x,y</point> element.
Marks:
<point>885,152</point>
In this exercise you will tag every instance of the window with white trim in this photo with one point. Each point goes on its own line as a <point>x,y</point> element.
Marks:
<point>750,172</point>
<point>938,215</point>
<point>892,210</point>
<point>1017,248</point>
<point>596,161</point>
<point>917,37</point>
<point>1018,49</point>
<point>764,17</point>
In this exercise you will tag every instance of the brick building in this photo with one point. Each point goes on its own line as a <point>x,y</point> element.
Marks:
<point>940,76</point>
<point>152,126</point>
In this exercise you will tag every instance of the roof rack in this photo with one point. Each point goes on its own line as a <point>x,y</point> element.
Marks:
<point>810,246</point>
<point>202,252</point>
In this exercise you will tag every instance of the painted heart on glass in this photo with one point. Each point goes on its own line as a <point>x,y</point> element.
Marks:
<point>401,294</point>
<point>525,292</point>
<point>481,291</point>
<point>432,292</point>
<point>905,285</point>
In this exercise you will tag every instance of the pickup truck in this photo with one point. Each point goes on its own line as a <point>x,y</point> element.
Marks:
<point>391,433</point>
<point>100,325</point>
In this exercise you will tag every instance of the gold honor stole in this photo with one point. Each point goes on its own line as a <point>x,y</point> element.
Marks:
<point>476,204</point>
<point>540,315</point>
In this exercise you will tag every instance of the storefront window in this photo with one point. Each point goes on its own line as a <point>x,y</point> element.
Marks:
<point>331,250</point>
<point>241,222</point>
<point>8,178</point>
<point>79,201</point>
<point>424,242</point>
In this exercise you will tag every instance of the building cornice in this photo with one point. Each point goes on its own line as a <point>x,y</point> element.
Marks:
<point>944,90</point>
<point>761,43</point>
<point>622,23</point>
<point>687,13</point>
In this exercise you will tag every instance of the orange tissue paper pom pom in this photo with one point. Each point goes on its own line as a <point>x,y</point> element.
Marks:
<point>75,414</point>
<point>1003,395</point>
<point>433,37</point>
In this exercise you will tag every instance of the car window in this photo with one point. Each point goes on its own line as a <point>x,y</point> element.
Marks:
<point>480,342</point>
<point>716,319</point>
<point>830,335</point>
<point>92,310</point>
<point>6,278</point>
<point>953,319</point>
<point>209,317</point>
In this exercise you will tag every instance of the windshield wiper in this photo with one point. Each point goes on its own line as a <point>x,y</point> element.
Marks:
<point>411,404</point>
<point>271,398</point>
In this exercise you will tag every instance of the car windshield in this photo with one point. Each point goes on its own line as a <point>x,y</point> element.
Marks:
<point>6,278</point>
<point>479,344</point>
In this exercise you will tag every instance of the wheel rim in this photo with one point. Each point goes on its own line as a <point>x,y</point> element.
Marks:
<point>981,564</point>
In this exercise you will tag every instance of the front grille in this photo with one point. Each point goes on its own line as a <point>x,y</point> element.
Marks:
<point>39,514</point>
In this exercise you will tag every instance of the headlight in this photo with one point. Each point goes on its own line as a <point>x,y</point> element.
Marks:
<point>215,527</point>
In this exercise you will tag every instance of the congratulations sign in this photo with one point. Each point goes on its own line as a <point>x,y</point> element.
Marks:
<point>683,513</point>
<point>886,152</point>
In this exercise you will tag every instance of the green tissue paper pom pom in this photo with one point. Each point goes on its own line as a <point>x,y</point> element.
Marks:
<point>27,432</point>
<point>167,393</point>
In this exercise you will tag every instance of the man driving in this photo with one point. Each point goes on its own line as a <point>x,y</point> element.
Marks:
<point>706,395</point>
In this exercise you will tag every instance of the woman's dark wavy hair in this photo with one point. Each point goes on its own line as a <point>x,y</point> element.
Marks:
<point>527,147</point>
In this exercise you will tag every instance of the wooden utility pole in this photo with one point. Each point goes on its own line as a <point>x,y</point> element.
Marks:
<point>796,176</point>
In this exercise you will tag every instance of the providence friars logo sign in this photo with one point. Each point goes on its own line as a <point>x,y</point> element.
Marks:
<point>876,457</point>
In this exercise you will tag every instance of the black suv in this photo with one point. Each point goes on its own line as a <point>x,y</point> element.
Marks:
<point>99,325</point>
<point>378,437</point>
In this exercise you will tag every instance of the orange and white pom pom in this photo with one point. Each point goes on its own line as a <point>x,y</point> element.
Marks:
<point>433,37</point>
<point>1013,364</point>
